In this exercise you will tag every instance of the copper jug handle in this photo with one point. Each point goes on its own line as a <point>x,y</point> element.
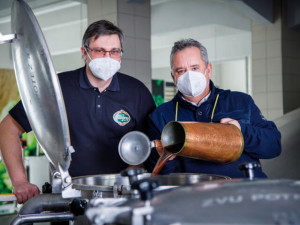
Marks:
<point>156,144</point>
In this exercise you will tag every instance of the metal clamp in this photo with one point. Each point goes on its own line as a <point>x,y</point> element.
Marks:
<point>67,190</point>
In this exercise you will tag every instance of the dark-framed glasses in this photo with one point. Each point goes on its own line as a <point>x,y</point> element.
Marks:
<point>100,52</point>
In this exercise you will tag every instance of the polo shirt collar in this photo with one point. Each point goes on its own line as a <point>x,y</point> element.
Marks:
<point>114,85</point>
<point>85,83</point>
<point>202,101</point>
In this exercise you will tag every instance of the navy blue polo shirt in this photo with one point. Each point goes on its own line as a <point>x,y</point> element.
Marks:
<point>97,121</point>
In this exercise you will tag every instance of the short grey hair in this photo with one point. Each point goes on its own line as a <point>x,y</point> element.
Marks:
<point>185,43</point>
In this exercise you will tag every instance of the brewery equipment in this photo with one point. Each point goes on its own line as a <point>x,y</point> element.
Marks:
<point>131,197</point>
<point>262,201</point>
<point>64,198</point>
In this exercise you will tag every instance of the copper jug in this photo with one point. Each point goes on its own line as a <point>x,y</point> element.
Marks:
<point>215,142</point>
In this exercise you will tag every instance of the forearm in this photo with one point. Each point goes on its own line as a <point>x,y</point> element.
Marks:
<point>261,137</point>
<point>10,147</point>
<point>11,150</point>
<point>261,142</point>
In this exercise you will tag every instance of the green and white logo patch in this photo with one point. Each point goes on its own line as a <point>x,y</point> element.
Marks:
<point>121,117</point>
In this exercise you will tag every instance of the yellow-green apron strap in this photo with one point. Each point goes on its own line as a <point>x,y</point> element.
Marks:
<point>176,111</point>
<point>213,111</point>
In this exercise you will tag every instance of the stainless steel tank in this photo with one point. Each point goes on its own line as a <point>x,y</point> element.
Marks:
<point>286,166</point>
<point>115,185</point>
<point>262,201</point>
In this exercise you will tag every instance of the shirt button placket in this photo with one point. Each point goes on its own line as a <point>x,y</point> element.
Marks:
<point>98,103</point>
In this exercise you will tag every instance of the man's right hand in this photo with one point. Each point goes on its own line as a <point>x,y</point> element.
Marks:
<point>24,191</point>
<point>10,147</point>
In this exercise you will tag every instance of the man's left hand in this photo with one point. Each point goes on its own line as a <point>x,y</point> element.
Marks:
<point>231,121</point>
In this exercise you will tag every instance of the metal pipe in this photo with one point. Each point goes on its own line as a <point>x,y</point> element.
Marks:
<point>45,202</point>
<point>49,217</point>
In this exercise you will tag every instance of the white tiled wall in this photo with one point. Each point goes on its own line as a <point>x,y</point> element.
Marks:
<point>134,20</point>
<point>102,9</point>
<point>267,69</point>
<point>291,67</point>
<point>275,58</point>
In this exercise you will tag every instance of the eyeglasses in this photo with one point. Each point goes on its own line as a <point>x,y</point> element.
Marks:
<point>100,52</point>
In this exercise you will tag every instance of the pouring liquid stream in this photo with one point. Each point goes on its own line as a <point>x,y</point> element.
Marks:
<point>167,153</point>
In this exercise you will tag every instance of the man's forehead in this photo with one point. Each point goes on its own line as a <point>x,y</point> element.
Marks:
<point>188,54</point>
<point>107,39</point>
<point>187,65</point>
<point>188,61</point>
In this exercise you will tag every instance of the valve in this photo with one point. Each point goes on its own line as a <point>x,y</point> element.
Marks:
<point>249,168</point>
<point>78,207</point>
<point>132,174</point>
<point>145,187</point>
<point>47,188</point>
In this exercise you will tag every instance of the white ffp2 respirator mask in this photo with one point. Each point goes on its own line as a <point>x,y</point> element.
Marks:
<point>104,68</point>
<point>191,83</point>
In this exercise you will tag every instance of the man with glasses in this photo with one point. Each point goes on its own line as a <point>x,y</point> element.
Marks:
<point>199,100</point>
<point>102,106</point>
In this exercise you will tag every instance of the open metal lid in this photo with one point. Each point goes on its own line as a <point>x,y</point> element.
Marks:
<point>134,148</point>
<point>39,86</point>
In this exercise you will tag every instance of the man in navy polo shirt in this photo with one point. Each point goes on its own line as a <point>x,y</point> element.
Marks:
<point>102,105</point>
<point>199,100</point>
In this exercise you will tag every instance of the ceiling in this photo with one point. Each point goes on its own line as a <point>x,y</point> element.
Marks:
<point>215,23</point>
<point>5,5</point>
<point>211,21</point>
<point>59,20</point>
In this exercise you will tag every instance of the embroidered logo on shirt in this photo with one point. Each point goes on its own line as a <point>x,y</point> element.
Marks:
<point>121,117</point>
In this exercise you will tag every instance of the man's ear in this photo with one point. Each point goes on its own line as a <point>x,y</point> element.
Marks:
<point>209,70</point>
<point>83,53</point>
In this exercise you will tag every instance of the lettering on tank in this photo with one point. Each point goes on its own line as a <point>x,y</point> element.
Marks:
<point>269,197</point>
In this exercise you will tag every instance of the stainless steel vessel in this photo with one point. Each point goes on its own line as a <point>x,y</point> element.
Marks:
<point>115,185</point>
<point>264,201</point>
